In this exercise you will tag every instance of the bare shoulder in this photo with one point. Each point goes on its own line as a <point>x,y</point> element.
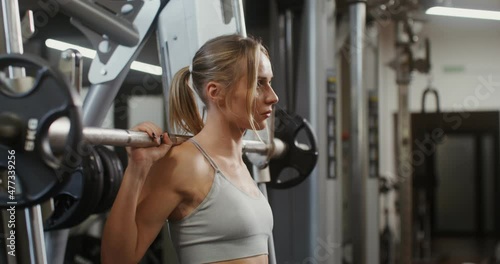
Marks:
<point>180,167</point>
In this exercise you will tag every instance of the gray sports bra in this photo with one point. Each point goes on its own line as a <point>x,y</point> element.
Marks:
<point>228,224</point>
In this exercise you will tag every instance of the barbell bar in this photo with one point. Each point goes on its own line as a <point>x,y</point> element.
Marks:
<point>58,132</point>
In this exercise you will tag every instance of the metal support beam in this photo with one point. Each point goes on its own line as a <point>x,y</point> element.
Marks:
<point>96,18</point>
<point>359,132</point>
<point>239,15</point>
<point>12,33</point>
<point>262,177</point>
<point>404,166</point>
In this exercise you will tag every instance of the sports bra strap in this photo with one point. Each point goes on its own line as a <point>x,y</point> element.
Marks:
<point>197,145</point>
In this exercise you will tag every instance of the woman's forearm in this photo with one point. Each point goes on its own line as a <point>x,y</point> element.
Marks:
<point>120,235</point>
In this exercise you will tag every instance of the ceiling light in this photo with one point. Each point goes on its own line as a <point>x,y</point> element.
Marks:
<point>90,53</point>
<point>463,12</point>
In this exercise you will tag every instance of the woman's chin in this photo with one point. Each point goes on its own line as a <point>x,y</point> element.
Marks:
<point>261,125</point>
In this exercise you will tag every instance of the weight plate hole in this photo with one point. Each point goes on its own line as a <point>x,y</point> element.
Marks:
<point>302,141</point>
<point>62,203</point>
<point>16,87</point>
<point>288,174</point>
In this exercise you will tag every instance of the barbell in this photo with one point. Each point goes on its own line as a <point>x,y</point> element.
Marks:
<point>43,127</point>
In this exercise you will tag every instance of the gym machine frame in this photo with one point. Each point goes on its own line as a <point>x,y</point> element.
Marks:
<point>103,91</point>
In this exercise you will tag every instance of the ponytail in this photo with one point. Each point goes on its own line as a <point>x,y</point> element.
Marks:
<point>183,110</point>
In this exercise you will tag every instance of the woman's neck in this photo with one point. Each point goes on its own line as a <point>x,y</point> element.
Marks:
<point>221,137</point>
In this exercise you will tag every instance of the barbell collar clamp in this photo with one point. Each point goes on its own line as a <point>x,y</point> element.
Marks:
<point>278,148</point>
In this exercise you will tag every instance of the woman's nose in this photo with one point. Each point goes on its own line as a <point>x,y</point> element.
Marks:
<point>272,97</point>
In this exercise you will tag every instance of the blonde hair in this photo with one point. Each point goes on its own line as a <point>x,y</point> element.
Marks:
<point>222,59</point>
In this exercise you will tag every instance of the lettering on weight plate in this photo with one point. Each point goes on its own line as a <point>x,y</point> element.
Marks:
<point>29,144</point>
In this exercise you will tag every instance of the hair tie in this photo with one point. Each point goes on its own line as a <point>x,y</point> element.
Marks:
<point>190,80</point>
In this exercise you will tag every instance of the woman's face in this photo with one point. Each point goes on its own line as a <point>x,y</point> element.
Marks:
<point>265,98</point>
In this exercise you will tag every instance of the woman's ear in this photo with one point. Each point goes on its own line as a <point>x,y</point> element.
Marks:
<point>214,92</point>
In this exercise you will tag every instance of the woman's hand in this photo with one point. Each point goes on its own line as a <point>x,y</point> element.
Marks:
<point>147,156</point>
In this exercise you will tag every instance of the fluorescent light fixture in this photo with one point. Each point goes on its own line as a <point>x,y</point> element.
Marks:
<point>59,45</point>
<point>145,67</point>
<point>90,53</point>
<point>463,12</point>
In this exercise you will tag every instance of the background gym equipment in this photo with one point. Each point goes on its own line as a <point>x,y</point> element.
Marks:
<point>26,127</point>
<point>300,157</point>
<point>79,198</point>
<point>113,174</point>
<point>91,189</point>
<point>28,251</point>
<point>425,179</point>
<point>387,243</point>
<point>404,65</point>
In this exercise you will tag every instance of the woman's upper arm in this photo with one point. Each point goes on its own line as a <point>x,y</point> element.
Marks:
<point>159,197</point>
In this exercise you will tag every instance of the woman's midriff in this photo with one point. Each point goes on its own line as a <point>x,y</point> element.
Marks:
<point>261,259</point>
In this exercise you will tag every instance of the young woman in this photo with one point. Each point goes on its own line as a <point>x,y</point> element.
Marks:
<point>202,187</point>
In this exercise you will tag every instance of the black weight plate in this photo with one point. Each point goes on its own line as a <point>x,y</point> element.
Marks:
<point>297,161</point>
<point>80,196</point>
<point>113,174</point>
<point>38,176</point>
